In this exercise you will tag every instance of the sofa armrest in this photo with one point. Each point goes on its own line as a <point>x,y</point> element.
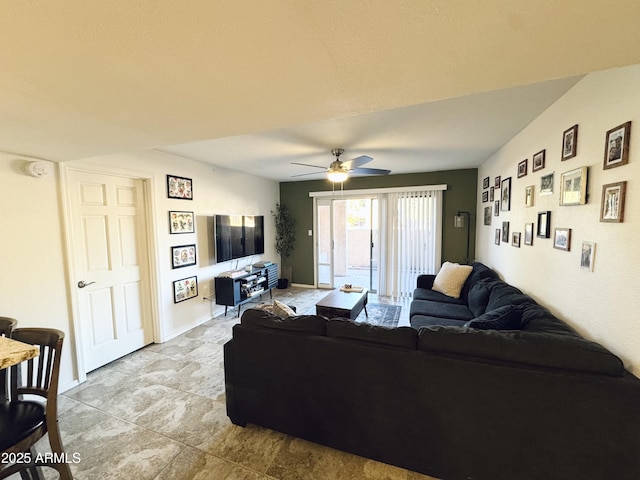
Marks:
<point>425,281</point>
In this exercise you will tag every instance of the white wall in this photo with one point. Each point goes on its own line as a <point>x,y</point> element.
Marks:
<point>33,288</point>
<point>603,305</point>
<point>33,280</point>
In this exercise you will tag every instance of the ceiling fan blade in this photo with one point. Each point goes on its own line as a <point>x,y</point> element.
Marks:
<point>370,171</point>
<point>356,162</point>
<point>307,165</point>
<point>305,174</point>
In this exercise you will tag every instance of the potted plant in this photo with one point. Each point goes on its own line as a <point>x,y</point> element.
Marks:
<point>285,240</point>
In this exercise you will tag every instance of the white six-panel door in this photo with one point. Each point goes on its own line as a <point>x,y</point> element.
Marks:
<point>109,238</point>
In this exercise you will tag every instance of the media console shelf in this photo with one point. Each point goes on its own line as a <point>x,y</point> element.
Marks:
<point>239,288</point>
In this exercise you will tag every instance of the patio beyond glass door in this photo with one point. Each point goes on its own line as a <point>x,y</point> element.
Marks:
<point>347,242</point>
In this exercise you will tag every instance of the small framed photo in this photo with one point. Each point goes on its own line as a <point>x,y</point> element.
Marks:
<point>562,239</point>
<point>183,256</point>
<point>496,182</point>
<point>544,224</point>
<point>181,222</point>
<point>522,167</point>
<point>485,183</point>
<point>616,150</point>
<point>546,184</point>
<point>185,289</point>
<point>491,193</point>
<point>496,208</point>
<point>485,196</point>
<point>538,161</point>
<point>528,234</point>
<point>505,196</point>
<point>612,207</point>
<point>505,232</point>
<point>570,143</point>
<point>497,236</point>
<point>487,215</point>
<point>587,255</point>
<point>515,239</point>
<point>179,187</point>
<point>573,187</point>
<point>528,196</point>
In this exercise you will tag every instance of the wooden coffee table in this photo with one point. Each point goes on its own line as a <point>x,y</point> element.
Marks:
<point>343,304</point>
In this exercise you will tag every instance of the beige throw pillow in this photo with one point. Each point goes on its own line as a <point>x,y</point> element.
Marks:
<point>451,278</point>
<point>282,310</point>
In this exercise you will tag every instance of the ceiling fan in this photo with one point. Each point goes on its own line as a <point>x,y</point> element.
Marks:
<point>339,171</point>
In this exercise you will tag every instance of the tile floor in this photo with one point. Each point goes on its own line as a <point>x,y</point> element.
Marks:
<point>159,413</point>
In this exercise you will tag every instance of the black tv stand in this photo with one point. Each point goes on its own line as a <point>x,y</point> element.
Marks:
<point>238,289</point>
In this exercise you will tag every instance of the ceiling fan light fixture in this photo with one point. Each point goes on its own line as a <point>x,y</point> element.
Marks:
<point>337,175</point>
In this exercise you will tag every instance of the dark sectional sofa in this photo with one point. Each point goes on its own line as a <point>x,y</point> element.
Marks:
<point>534,401</point>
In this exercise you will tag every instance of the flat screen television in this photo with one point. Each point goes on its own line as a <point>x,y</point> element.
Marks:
<point>238,236</point>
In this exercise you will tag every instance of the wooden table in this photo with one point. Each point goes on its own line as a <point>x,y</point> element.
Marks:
<point>13,352</point>
<point>343,304</point>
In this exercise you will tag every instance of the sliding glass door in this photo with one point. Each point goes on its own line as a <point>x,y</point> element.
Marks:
<point>347,248</point>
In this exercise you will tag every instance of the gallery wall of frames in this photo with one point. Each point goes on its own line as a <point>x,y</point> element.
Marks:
<point>570,185</point>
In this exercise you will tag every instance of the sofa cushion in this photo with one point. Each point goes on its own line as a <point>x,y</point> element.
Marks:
<point>508,317</point>
<point>419,321</point>
<point>405,337</point>
<point>504,294</point>
<point>479,272</point>
<point>478,297</point>
<point>440,309</point>
<point>310,324</point>
<point>282,310</point>
<point>567,352</point>
<point>450,279</point>
<point>424,294</point>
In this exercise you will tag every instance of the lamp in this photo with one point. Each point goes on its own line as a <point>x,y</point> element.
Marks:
<point>337,175</point>
<point>458,222</point>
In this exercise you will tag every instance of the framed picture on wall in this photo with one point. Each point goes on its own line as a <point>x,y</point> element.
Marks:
<point>528,234</point>
<point>528,196</point>
<point>179,187</point>
<point>538,161</point>
<point>485,197</point>
<point>491,193</point>
<point>185,289</point>
<point>515,239</point>
<point>487,215</point>
<point>485,183</point>
<point>522,167</point>
<point>562,239</point>
<point>505,196</point>
<point>496,182</point>
<point>587,255</point>
<point>546,184</point>
<point>570,143</point>
<point>496,238</point>
<point>496,208</point>
<point>612,206</point>
<point>505,232</point>
<point>573,187</point>
<point>180,222</point>
<point>183,256</point>
<point>544,224</point>
<point>616,149</point>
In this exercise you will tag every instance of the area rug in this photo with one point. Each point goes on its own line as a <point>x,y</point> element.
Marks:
<point>381,315</point>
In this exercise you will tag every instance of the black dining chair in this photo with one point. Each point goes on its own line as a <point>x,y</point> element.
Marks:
<point>23,422</point>
<point>7,324</point>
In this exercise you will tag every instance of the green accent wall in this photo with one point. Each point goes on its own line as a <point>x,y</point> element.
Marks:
<point>460,195</point>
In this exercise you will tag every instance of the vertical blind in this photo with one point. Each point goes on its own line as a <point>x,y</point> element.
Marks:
<point>413,239</point>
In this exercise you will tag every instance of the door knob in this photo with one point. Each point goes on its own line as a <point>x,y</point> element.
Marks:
<point>82,284</point>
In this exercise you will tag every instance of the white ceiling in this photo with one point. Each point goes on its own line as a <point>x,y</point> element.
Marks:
<point>254,85</point>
